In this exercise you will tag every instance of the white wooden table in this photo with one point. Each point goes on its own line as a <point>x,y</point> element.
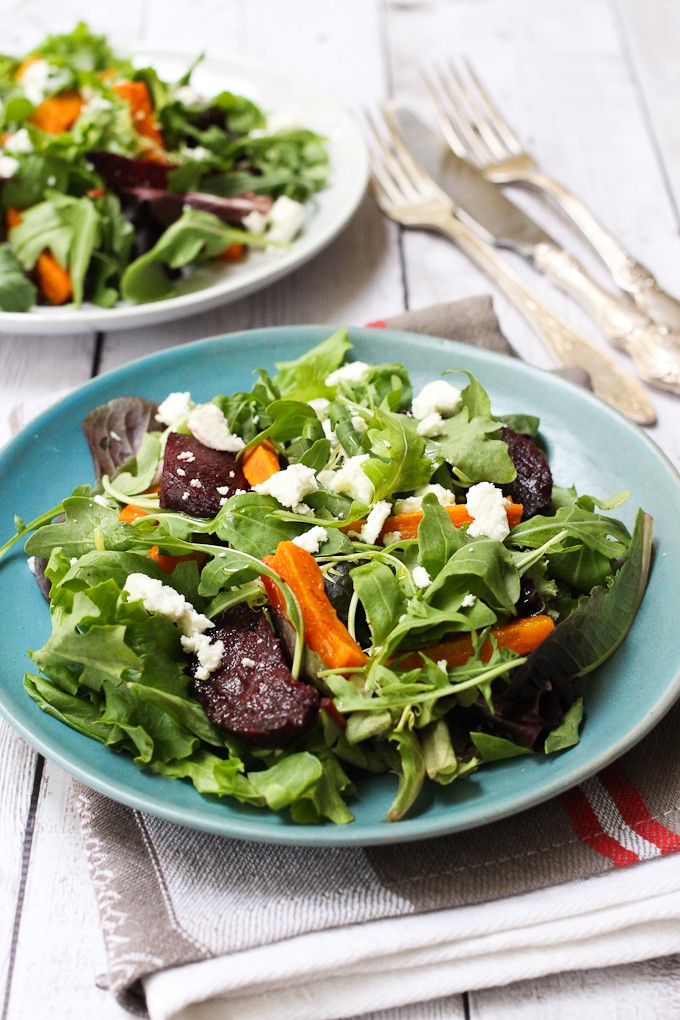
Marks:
<point>590,85</point>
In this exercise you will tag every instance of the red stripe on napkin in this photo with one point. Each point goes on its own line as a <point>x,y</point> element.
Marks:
<point>635,812</point>
<point>378,324</point>
<point>588,828</point>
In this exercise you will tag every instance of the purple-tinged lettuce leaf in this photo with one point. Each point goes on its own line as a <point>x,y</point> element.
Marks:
<point>114,431</point>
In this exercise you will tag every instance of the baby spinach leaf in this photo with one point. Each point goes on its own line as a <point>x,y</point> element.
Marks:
<point>305,377</point>
<point>17,292</point>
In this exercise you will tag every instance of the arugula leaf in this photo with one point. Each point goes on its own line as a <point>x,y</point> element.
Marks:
<point>305,378</point>
<point>398,459</point>
<point>17,292</point>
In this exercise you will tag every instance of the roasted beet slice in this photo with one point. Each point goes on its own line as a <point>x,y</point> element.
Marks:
<point>253,694</point>
<point>533,485</point>
<point>167,206</point>
<point>122,173</point>
<point>196,479</point>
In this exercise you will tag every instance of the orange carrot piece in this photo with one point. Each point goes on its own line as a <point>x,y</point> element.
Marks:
<point>259,463</point>
<point>168,563</point>
<point>233,252</point>
<point>57,113</point>
<point>325,633</point>
<point>407,524</point>
<point>54,282</point>
<point>521,636</point>
<point>138,98</point>
<point>131,513</point>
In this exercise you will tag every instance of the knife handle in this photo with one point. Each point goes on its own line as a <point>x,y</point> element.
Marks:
<point>655,350</point>
<point>611,381</point>
<point>632,277</point>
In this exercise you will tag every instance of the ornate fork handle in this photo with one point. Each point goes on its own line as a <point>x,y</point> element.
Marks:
<point>632,277</point>
<point>610,380</point>
<point>654,351</point>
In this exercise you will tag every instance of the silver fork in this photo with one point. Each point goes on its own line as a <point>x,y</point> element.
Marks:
<point>475,129</point>
<point>409,195</point>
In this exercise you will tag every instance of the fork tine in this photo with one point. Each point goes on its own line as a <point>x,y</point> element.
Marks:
<point>388,170</point>
<point>453,123</point>
<point>486,141</point>
<point>494,116</point>
<point>420,184</point>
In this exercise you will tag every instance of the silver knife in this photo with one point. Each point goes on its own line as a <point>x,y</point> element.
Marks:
<point>654,350</point>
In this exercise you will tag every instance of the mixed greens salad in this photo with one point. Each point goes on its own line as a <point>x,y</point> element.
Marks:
<point>114,183</point>
<point>438,598</point>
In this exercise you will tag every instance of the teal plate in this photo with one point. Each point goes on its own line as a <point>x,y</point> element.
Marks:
<point>589,446</point>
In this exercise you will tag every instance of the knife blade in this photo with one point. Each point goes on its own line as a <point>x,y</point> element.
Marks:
<point>483,207</point>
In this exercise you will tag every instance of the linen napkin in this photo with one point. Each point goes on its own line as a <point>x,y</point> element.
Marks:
<point>200,927</point>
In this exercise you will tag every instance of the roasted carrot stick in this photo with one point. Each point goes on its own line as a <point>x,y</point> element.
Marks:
<point>407,524</point>
<point>137,96</point>
<point>54,281</point>
<point>325,633</point>
<point>131,513</point>
<point>522,636</point>
<point>168,563</point>
<point>259,463</point>
<point>57,113</point>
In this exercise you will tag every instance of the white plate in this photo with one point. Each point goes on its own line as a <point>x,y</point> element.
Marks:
<point>328,212</point>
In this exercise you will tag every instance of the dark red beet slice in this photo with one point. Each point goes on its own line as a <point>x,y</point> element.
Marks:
<point>122,173</point>
<point>253,694</point>
<point>533,485</point>
<point>196,479</point>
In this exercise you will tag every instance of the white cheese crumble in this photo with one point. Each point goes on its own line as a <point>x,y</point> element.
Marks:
<point>352,372</point>
<point>102,501</point>
<point>390,537</point>
<point>247,662</point>
<point>199,152</point>
<point>374,522</point>
<point>290,486</point>
<point>411,504</point>
<point>319,405</point>
<point>35,81</point>
<point>359,424</point>
<point>255,222</point>
<point>96,104</point>
<point>432,425</point>
<point>350,480</point>
<point>8,167</point>
<point>421,578</point>
<point>436,397</point>
<point>487,506</point>
<point>311,540</point>
<point>285,219</point>
<point>187,95</point>
<point>32,565</point>
<point>18,143</point>
<point>209,653</point>
<point>157,597</point>
<point>468,601</point>
<point>175,409</point>
<point>210,427</point>
<point>443,665</point>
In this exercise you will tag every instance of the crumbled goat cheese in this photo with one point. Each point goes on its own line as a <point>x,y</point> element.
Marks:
<point>210,427</point>
<point>359,424</point>
<point>285,219</point>
<point>196,483</point>
<point>468,601</point>
<point>35,81</point>
<point>443,665</point>
<point>96,104</point>
<point>175,409</point>
<point>487,507</point>
<point>290,486</point>
<point>8,167</point>
<point>421,578</point>
<point>312,540</point>
<point>247,662</point>
<point>255,222</point>
<point>350,480</point>
<point>391,537</point>
<point>209,653</point>
<point>436,397</point>
<point>189,457</point>
<point>199,152</point>
<point>102,501</point>
<point>352,372</point>
<point>431,426</point>
<point>32,565</point>
<point>374,522</point>
<point>18,143</point>
<point>157,597</point>
<point>411,504</point>
<point>319,405</point>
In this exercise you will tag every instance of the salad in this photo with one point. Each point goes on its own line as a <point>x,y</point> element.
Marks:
<point>274,592</point>
<point>115,183</point>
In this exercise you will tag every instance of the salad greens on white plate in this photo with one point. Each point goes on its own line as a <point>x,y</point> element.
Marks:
<point>328,575</point>
<point>133,189</point>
